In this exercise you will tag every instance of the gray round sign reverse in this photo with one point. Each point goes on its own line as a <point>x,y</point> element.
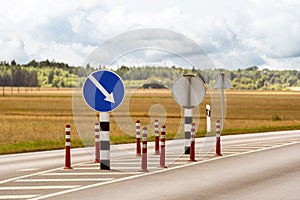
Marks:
<point>188,91</point>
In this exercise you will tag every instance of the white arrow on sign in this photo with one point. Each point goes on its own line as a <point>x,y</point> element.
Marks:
<point>109,97</point>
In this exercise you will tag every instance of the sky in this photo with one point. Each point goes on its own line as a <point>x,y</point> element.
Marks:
<point>233,33</point>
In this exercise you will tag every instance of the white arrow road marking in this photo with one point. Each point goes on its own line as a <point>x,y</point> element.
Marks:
<point>109,97</point>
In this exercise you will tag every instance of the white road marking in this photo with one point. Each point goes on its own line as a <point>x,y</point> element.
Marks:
<point>231,152</point>
<point>65,180</point>
<point>90,164</point>
<point>150,159</point>
<point>241,147</point>
<point>28,175</point>
<point>130,163</point>
<point>39,187</point>
<point>179,163</point>
<point>90,173</point>
<point>87,168</point>
<point>156,172</point>
<point>137,167</point>
<point>118,167</point>
<point>27,170</point>
<point>18,196</point>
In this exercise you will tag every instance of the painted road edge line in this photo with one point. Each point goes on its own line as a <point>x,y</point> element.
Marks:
<point>18,196</point>
<point>156,172</point>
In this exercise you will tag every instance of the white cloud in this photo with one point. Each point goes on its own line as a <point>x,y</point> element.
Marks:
<point>12,49</point>
<point>234,33</point>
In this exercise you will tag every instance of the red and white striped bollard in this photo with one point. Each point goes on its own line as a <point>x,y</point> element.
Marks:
<point>192,147</point>
<point>156,132</point>
<point>68,148</point>
<point>162,159</point>
<point>144,150</point>
<point>138,137</point>
<point>218,138</point>
<point>97,142</point>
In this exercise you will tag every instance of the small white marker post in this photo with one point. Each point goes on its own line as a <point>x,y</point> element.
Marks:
<point>208,122</point>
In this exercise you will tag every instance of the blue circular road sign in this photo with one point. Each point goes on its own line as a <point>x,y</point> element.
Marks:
<point>103,91</point>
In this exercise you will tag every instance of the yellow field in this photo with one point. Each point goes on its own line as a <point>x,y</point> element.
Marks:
<point>31,116</point>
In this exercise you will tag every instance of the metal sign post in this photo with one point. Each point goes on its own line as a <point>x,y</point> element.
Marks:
<point>222,83</point>
<point>188,91</point>
<point>103,91</point>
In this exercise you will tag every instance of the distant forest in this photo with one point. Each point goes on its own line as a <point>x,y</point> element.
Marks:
<point>56,74</point>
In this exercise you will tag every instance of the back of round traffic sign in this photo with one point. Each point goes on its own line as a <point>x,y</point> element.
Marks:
<point>103,91</point>
<point>188,91</point>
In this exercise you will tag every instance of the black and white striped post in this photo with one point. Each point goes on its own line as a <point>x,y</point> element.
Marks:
<point>97,143</point>
<point>156,132</point>
<point>188,118</point>
<point>104,141</point>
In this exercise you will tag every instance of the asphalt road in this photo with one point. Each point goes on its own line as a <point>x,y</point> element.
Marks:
<point>269,174</point>
<point>253,166</point>
<point>15,165</point>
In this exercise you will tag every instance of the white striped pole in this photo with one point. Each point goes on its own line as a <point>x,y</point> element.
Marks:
<point>97,142</point>
<point>218,138</point>
<point>162,160</point>
<point>192,148</point>
<point>138,137</point>
<point>144,150</point>
<point>188,117</point>
<point>68,147</point>
<point>208,122</point>
<point>104,141</point>
<point>156,132</point>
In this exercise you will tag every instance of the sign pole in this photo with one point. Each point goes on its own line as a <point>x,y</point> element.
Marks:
<point>188,119</point>
<point>189,80</point>
<point>104,141</point>
<point>222,83</point>
<point>223,108</point>
<point>188,115</point>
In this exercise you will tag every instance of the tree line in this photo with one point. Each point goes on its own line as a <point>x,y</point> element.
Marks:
<point>246,79</point>
<point>57,74</point>
<point>41,74</point>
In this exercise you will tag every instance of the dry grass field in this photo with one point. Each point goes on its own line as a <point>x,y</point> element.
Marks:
<point>35,120</point>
